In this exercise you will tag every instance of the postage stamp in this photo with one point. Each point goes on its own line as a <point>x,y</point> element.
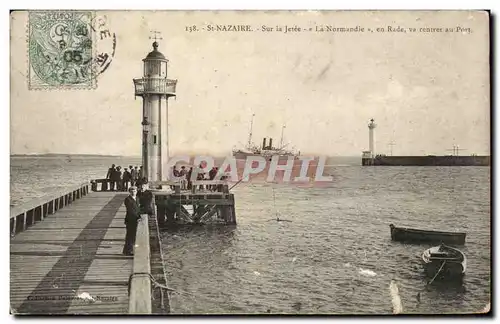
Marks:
<point>68,49</point>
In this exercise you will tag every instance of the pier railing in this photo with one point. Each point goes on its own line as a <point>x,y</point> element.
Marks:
<point>176,186</point>
<point>101,184</point>
<point>160,298</point>
<point>28,213</point>
<point>197,185</point>
<point>140,280</point>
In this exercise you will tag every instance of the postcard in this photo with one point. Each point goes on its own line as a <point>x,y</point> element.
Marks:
<point>250,162</point>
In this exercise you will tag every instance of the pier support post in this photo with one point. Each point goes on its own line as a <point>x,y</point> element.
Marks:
<point>50,207</point>
<point>25,222</point>
<point>160,214</point>
<point>13,226</point>
<point>170,212</point>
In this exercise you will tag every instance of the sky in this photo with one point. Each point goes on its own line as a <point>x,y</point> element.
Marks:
<point>427,91</point>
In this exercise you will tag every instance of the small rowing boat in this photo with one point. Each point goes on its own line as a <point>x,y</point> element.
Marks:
<point>410,235</point>
<point>444,262</point>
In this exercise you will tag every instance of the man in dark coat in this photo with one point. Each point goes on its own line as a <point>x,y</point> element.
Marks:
<point>133,175</point>
<point>211,175</point>
<point>140,181</point>
<point>126,179</point>
<point>146,199</point>
<point>131,218</point>
<point>110,175</point>
<point>117,178</point>
<point>189,180</point>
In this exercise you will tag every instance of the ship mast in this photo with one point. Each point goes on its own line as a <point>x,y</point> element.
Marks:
<point>456,150</point>
<point>282,130</point>
<point>392,143</point>
<point>249,145</point>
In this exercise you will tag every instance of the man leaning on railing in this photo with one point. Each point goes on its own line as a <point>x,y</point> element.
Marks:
<point>146,199</point>
<point>131,218</point>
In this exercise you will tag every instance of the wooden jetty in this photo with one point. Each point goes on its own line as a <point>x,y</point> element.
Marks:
<point>196,206</point>
<point>66,257</point>
<point>66,249</point>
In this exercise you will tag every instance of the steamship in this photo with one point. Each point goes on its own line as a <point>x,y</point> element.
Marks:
<point>266,150</point>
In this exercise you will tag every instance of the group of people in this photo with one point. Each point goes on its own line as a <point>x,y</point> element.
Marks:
<point>121,181</point>
<point>138,202</point>
<point>186,181</point>
<point>140,198</point>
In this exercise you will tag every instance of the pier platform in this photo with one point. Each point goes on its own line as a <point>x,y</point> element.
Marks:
<point>73,252</point>
<point>206,202</point>
<point>66,249</point>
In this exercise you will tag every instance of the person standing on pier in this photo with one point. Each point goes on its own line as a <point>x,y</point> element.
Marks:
<point>126,178</point>
<point>110,176</point>
<point>118,178</point>
<point>183,174</point>
<point>189,180</point>
<point>175,176</point>
<point>133,175</point>
<point>132,216</point>
<point>211,175</point>
<point>139,182</point>
<point>201,174</point>
<point>137,175</point>
<point>146,199</point>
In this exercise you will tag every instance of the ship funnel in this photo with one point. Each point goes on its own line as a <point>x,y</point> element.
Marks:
<point>264,144</point>
<point>270,143</point>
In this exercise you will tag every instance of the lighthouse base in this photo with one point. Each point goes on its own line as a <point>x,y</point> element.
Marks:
<point>367,161</point>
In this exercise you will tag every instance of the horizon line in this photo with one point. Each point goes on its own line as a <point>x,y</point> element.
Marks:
<point>139,156</point>
<point>213,155</point>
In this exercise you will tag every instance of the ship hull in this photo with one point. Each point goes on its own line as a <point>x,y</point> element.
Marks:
<point>427,161</point>
<point>244,155</point>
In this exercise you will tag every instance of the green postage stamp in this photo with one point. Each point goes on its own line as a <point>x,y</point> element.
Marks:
<point>68,49</point>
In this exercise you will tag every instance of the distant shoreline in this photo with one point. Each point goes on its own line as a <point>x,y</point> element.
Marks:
<point>124,156</point>
<point>72,155</point>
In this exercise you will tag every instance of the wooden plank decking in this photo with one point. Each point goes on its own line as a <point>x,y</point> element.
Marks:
<point>77,250</point>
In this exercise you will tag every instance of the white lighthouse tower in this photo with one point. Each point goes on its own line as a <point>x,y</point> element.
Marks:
<point>371,127</point>
<point>155,89</point>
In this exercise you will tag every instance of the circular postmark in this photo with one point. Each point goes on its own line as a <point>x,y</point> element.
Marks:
<point>105,45</point>
<point>68,48</point>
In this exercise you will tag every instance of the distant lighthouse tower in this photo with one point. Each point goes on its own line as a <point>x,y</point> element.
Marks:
<point>371,127</point>
<point>155,89</point>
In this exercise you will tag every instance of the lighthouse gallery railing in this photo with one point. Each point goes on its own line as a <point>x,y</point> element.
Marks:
<point>154,85</point>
